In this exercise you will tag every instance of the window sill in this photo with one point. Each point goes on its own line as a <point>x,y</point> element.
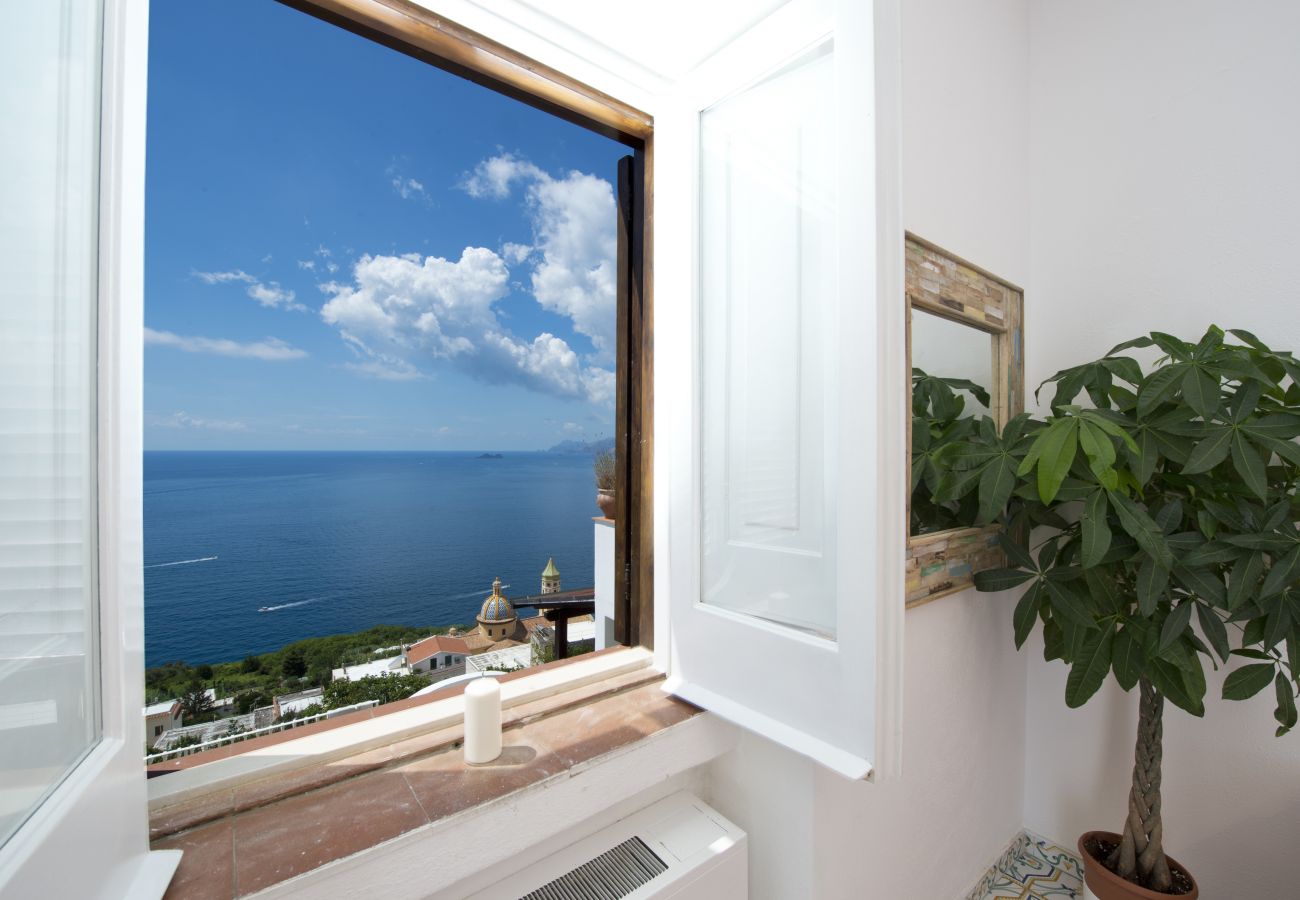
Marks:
<point>197,778</point>
<point>261,831</point>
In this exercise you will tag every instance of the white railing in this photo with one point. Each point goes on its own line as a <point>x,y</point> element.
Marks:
<point>177,752</point>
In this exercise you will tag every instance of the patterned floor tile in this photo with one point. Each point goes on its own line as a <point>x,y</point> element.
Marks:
<point>1032,868</point>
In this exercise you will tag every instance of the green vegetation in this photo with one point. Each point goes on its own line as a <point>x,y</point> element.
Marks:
<point>1154,530</point>
<point>254,680</point>
<point>384,688</point>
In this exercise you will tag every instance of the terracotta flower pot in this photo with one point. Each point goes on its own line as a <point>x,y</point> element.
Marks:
<point>605,500</point>
<point>1106,885</point>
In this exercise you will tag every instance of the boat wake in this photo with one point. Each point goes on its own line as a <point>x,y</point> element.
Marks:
<point>181,562</point>
<point>289,605</point>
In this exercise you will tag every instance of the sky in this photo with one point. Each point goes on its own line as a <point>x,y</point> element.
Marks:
<point>346,248</point>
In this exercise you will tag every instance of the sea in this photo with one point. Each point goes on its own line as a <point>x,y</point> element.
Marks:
<point>245,552</point>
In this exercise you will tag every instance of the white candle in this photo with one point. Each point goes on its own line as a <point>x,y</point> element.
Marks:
<point>482,721</point>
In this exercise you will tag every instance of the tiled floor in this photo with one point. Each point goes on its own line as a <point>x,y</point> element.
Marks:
<point>1032,869</point>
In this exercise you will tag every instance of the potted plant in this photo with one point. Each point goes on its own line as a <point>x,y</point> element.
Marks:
<point>603,465</point>
<point>1155,530</point>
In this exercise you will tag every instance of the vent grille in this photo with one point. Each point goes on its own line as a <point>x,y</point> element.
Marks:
<point>614,874</point>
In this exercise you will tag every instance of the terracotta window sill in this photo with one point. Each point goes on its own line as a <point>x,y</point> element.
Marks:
<point>261,832</point>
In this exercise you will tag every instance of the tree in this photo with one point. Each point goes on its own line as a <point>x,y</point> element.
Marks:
<point>195,702</point>
<point>294,663</point>
<point>204,672</point>
<point>250,665</point>
<point>383,688</point>
<point>1173,510</point>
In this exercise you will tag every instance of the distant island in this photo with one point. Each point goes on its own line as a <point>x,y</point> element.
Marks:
<point>489,456</point>
<point>587,447</point>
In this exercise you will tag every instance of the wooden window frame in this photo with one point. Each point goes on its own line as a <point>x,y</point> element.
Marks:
<point>424,35</point>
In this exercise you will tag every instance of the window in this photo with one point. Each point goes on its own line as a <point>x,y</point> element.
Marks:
<point>176,556</point>
<point>781,524</point>
<point>72,96</point>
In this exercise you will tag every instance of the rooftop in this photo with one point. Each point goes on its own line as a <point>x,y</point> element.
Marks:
<point>439,643</point>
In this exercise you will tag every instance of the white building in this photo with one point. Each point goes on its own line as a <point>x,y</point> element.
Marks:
<point>394,665</point>
<point>439,654</point>
<point>160,718</point>
<point>297,702</point>
<point>507,658</point>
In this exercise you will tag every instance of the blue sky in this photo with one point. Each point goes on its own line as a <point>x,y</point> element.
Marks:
<point>349,249</point>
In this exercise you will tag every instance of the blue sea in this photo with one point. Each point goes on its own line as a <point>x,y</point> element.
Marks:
<point>338,542</point>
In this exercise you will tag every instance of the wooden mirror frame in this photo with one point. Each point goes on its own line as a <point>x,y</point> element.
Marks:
<point>945,285</point>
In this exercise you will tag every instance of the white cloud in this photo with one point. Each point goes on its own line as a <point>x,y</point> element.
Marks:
<point>573,428</point>
<point>493,177</point>
<point>515,253</point>
<point>271,349</point>
<point>308,264</point>
<point>573,230</point>
<point>268,294</point>
<point>407,188</point>
<point>185,420</point>
<point>400,309</point>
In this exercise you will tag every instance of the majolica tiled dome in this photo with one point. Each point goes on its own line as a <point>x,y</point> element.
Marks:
<point>496,608</point>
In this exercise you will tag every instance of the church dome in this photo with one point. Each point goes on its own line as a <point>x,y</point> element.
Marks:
<point>496,608</point>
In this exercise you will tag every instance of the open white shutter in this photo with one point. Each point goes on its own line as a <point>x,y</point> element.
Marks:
<point>778,312</point>
<point>73,817</point>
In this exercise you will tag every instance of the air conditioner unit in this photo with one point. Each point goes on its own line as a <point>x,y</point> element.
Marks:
<point>679,847</point>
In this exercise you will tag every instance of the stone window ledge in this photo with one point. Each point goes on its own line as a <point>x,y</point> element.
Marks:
<point>262,832</point>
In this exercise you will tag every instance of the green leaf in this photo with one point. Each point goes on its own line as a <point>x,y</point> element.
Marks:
<point>1124,367</point>
<point>1141,342</point>
<point>1000,579</point>
<point>1173,683</point>
<point>1244,400</point>
<point>1016,554</point>
<point>1175,624</point>
<point>1096,530</point>
<point>1203,583</point>
<point>1026,614</point>
<point>1247,337</point>
<point>1246,682</point>
<point>1127,659</point>
<point>1157,386</point>
<point>1100,453</point>
<point>1143,529</point>
<point>1103,590</point>
<point>1249,466</point>
<point>1283,573</point>
<point>1214,630</point>
<point>1053,641</point>
<point>996,485</point>
<point>1147,457</point>
<point>1066,603</point>
<point>1283,427</point>
<point>1201,391</point>
<point>1286,711</point>
<point>1056,449</point>
<point>1152,580</point>
<point>1090,669</point>
<point>1210,452</point>
<point>1212,553</point>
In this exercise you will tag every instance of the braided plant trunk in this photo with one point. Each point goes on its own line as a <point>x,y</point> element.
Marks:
<point>1140,856</point>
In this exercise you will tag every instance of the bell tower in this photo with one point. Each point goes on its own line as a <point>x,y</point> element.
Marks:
<point>550,578</point>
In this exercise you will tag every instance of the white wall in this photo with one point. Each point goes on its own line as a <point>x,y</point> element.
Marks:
<point>931,833</point>
<point>1166,194</point>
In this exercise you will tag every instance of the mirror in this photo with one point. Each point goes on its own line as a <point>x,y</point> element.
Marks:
<point>952,368</point>
<point>965,352</point>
